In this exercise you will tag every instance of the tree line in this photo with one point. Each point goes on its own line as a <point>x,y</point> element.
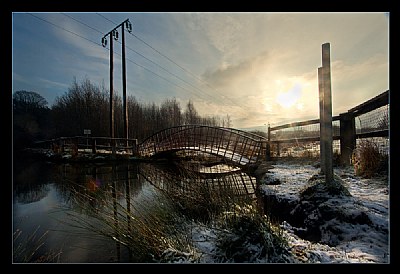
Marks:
<point>87,106</point>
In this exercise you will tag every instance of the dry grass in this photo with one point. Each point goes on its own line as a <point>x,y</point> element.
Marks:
<point>367,159</point>
<point>248,236</point>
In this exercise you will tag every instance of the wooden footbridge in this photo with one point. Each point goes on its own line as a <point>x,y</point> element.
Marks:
<point>233,145</point>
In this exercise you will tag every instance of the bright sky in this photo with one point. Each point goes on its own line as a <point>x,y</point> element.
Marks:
<point>258,68</point>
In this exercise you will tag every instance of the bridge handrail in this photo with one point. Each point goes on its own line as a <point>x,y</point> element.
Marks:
<point>250,135</point>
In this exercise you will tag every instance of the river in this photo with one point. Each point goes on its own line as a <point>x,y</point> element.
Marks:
<point>114,212</point>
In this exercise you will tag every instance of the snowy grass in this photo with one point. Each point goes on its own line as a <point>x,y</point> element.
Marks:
<point>359,233</point>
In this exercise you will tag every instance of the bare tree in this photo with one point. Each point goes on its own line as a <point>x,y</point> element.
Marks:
<point>190,115</point>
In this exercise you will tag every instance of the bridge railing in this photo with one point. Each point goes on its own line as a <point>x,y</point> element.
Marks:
<point>232,144</point>
<point>85,144</point>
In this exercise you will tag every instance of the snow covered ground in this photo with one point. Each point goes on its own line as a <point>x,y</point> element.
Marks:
<point>349,242</point>
<point>359,243</point>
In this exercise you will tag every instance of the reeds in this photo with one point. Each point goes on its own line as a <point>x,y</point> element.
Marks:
<point>146,228</point>
<point>155,225</point>
<point>28,249</point>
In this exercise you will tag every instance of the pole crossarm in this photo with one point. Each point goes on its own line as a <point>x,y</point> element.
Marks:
<point>128,26</point>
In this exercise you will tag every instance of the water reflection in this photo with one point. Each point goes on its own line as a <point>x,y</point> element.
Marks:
<point>196,186</point>
<point>119,212</point>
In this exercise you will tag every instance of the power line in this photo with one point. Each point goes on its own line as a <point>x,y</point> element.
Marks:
<point>106,18</point>
<point>141,66</point>
<point>97,44</point>
<point>64,29</point>
<point>169,59</point>
<point>153,62</point>
<point>185,70</point>
<point>83,23</point>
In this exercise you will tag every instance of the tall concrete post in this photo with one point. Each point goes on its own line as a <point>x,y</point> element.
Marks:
<point>327,116</point>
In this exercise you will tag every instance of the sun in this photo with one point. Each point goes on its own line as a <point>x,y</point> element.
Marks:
<point>289,98</point>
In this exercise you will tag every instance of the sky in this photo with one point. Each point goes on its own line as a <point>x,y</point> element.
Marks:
<point>258,68</point>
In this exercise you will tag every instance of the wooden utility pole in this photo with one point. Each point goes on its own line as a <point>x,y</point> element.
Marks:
<point>111,89</point>
<point>114,34</point>
<point>124,104</point>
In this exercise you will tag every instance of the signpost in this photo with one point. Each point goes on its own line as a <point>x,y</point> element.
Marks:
<point>87,132</point>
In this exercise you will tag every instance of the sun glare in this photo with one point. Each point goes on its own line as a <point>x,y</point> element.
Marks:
<point>289,98</point>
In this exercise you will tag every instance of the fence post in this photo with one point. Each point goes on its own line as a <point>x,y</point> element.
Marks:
<point>268,152</point>
<point>321,119</point>
<point>278,153</point>
<point>327,116</point>
<point>62,145</point>
<point>93,145</point>
<point>347,137</point>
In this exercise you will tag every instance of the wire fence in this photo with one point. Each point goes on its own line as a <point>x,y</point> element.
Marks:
<point>301,139</point>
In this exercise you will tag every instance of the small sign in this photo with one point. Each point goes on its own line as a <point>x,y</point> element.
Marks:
<point>87,131</point>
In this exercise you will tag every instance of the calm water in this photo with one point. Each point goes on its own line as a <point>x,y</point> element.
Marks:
<point>69,204</point>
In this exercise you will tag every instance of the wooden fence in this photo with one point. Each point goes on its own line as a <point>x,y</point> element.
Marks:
<point>367,120</point>
<point>85,144</point>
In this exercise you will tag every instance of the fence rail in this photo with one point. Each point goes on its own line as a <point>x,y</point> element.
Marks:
<point>367,120</point>
<point>85,144</point>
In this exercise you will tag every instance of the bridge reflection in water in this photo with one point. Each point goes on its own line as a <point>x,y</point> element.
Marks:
<point>124,201</point>
<point>199,183</point>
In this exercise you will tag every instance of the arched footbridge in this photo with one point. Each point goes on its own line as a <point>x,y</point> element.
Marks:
<point>235,145</point>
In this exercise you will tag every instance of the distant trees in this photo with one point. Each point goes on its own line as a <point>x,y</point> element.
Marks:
<point>86,106</point>
<point>30,118</point>
<point>190,115</point>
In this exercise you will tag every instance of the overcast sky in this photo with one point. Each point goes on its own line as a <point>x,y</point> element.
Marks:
<point>258,68</point>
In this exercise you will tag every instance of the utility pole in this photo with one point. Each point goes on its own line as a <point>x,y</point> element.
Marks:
<point>125,107</point>
<point>114,34</point>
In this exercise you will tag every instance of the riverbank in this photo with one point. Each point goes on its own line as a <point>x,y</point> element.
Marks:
<point>327,228</point>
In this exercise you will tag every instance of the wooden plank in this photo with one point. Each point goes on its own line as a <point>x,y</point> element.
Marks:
<point>374,103</point>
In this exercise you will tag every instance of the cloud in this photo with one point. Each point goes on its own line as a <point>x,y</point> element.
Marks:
<point>227,74</point>
<point>355,83</point>
<point>49,84</point>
